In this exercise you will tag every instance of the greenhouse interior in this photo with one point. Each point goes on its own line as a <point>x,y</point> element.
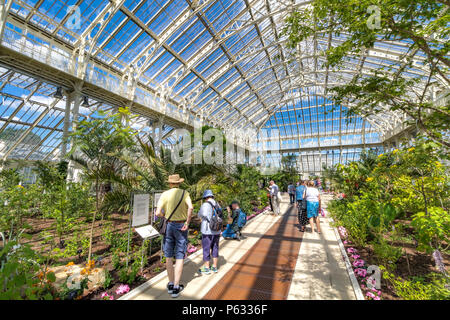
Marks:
<point>224,150</point>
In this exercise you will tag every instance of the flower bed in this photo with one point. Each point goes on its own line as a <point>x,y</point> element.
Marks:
<point>256,212</point>
<point>359,265</point>
<point>361,257</point>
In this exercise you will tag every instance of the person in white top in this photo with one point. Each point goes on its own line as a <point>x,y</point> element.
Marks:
<point>313,205</point>
<point>273,189</point>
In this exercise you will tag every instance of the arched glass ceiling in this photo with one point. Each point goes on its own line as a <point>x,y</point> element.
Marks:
<point>223,61</point>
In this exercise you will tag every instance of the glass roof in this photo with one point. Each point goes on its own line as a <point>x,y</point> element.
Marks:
<point>222,61</point>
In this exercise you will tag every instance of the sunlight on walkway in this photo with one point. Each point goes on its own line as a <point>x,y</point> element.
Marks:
<point>320,273</point>
<point>272,262</point>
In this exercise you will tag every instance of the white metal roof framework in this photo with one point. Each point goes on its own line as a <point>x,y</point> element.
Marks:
<point>220,61</point>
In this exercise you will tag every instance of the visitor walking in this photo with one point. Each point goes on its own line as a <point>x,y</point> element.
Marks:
<point>291,191</point>
<point>210,238</point>
<point>274,196</point>
<point>313,205</point>
<point>301,205</point>
<point>176,206</point>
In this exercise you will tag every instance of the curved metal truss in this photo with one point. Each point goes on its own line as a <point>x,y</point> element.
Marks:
<point>224,62</point>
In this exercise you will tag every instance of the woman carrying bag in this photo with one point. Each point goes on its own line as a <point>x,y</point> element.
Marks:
<point>301,205</point>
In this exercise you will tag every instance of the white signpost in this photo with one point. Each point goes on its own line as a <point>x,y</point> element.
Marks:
<point>140,220</point>
<point>141,209</point>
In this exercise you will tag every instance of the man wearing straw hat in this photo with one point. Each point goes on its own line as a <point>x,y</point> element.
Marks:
<point>175,205</point>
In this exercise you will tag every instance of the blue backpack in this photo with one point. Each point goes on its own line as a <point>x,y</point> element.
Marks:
<point>242,219</point>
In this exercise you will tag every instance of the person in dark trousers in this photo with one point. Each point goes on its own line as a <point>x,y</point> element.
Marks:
<point>291,191</point>
<point>301,205</point>
<point>275,198</point>
<point>241,219</point>
<point>210,238</point>
<point>233,217</point>
<point>270,201</point>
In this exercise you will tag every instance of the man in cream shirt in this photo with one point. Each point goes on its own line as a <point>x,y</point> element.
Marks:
<point>175,241</point>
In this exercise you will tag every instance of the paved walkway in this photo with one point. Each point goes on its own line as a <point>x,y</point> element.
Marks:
<point>273,262</point>
<point>265,271</point>
<point>320,272</point>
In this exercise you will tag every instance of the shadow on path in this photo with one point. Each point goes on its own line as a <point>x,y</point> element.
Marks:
<point>266,270</point>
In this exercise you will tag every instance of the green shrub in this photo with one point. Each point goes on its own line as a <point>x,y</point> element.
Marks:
<point>354,217</point>
<point>433,287</point>
<point>21,275</point>
<point>72,246</point>
<point>431,228</point>
<point>115,260</point>
<point>385,253</point>
<point>114,239</point>
<point>108,279</point>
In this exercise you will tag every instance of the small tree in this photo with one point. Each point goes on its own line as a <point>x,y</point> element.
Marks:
<point>98,145</point>
<point>15,204</point>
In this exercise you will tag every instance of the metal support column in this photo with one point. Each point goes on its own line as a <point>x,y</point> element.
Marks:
<point>158,136</point>
<point>76,96</point>
<point>67,123</point>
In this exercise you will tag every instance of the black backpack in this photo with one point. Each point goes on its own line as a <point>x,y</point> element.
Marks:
<point>216,221</point>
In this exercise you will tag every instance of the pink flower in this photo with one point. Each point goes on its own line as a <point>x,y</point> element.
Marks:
<point>191,248</point>
<point>378,292</point>
<point>355,256</point>
<point>361,272</point>
<point>370,295</point>
<point>122,289</point>
<point>358,263</point>
<point>106,296</point>
<point>351,250</point>
<point>343,232</point>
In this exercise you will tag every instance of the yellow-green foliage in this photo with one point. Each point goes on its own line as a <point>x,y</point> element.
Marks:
<point>435,287</point>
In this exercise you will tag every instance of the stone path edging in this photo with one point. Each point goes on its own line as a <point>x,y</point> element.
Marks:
<point>355,284</point>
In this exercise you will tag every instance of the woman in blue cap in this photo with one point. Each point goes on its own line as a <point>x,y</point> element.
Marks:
<point>210,238</point>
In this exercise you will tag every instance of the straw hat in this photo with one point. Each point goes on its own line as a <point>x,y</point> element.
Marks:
<point>175,178</point>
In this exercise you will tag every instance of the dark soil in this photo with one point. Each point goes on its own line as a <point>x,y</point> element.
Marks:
<point>120,224</point>
<point>152,268</point>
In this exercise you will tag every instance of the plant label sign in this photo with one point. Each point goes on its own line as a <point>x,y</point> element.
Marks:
<point>147,232</point>
<point>156,197</point>
<point>141,207</point>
